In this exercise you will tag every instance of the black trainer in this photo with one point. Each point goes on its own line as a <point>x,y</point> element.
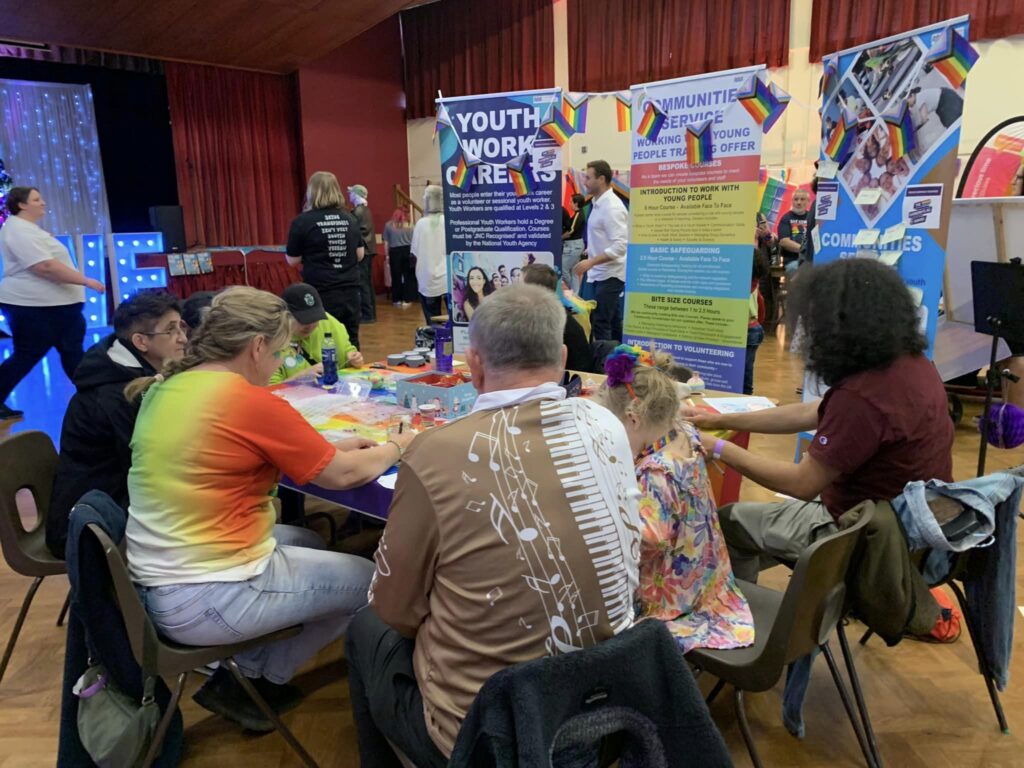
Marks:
<point>224,696</point>
<point>8,414</point>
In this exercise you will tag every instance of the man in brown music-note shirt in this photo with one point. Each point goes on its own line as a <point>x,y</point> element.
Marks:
<point>514,534</point>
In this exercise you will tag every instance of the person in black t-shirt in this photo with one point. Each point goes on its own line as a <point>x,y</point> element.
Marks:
<point>325,241</point>
<point>579,356</point>
<point>795,232</point>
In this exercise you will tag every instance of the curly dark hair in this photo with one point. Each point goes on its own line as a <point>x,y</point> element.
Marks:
<point>856,315</point>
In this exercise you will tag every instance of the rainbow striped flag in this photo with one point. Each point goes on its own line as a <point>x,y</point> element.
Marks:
<point>902,136</point>
<point>521,173</point>
<point>840,143</point>
<point>652,122</point>
<point>829,77</point>
<point>781,99</point>
<point>699,147</point>
<point>624,110</point>
<point>574,109</point>
<point>465,171</point>
<point>953,56</point>
<point>757,99</point>
<point>556,126</point>
<point>442,121</point>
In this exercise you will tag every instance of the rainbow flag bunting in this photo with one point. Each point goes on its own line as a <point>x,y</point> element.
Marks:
<point>556,126</point>
<point>521,174</point>
<point>574,109</point>
<point>829,77</point>
<point>624,110</point>
<point>699,146</point>
<point>953,56</point>
<point>442,121</point>
<point>757,99</point>
<point>902,136</point>
<point>465,171</point>
<point>781,99</point>
<point>840,143</point>
<point>652,122</point>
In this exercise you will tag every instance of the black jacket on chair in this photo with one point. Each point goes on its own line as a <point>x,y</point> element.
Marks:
<point>95,438</point>
<point>95,615</point>
<point>554,711</point>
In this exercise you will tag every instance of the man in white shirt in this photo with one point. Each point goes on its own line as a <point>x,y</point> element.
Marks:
<point>607,238</point>
<point>513,535</point>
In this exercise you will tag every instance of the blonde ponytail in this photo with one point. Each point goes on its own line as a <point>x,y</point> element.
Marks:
<point>236,316</point>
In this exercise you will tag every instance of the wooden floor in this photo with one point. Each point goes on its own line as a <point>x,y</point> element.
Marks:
<point>929,705</point>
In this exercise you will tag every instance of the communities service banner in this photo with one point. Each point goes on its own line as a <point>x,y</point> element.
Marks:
<point>688,269</point>
<point>891,115</point>
<point>502,194</point>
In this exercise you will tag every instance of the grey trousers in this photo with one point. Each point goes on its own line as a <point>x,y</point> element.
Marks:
<point>760,534</point>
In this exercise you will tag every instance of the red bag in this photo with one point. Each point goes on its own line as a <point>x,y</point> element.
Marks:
<point>947,626</point>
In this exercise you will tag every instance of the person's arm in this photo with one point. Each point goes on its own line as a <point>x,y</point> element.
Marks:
<point>293,250</point>
<point>783,420</point>
<point>360,253</point>
<point>353,466</point>
<point>55,272</point>
<point>805,480</point>
<point>406,557</point>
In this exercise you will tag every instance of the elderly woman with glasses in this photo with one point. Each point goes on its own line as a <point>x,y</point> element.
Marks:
<point>98,424</point>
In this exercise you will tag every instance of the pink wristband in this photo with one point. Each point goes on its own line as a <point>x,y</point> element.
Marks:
<point>716,452</point>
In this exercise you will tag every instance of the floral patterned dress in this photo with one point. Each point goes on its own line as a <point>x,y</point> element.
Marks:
<point>686,579</point>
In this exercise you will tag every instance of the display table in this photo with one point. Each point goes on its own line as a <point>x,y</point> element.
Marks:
<point>366,412</point>
<point>258,267</point>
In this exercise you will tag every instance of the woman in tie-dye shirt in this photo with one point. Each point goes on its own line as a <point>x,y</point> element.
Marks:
<point>685,576</point>
<point>209,445</point>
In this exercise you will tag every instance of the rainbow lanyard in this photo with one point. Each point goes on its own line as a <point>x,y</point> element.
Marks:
<point>658,445</point>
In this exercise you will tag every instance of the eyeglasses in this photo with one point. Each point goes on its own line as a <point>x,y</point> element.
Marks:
<point>178,330</point>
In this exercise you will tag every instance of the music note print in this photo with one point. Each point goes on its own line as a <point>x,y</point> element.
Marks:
<point>494,595</point>
<point>474,457</point>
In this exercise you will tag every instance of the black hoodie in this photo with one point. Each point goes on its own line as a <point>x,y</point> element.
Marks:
<point>95,439</point>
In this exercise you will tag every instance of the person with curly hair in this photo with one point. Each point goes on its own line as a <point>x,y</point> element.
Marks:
<point>882,424</point>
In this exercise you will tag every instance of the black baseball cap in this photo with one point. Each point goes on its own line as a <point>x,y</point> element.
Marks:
<point>304,303</point>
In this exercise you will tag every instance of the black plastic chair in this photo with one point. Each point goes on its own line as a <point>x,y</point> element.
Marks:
<point>789,625</point>
<point>158,656</point>
<point>29,462</point>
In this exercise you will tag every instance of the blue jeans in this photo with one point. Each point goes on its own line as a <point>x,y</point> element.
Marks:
<point>606,320</point>
<point>571,252</point>
<point>301,585</point>
<point>755,335</point>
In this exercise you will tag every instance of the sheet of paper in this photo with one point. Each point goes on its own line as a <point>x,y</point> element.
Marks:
<point>890,258</point>
<point>917,293</point>
<point>893,234</point>
<point>388,481</point>
<point>922,206</point>
<point>738,404</point>
<point>869,196</point>
<point>827,169</point>
<point>866,237</point>
<point>826,201</point>
<point>867,253</point>
<point>816,239</point>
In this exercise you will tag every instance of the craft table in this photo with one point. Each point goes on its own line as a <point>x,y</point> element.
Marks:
<point>374,498</point>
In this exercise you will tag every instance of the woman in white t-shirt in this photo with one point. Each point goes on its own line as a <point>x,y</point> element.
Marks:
<point>41,294</point>
<point>429,251</point>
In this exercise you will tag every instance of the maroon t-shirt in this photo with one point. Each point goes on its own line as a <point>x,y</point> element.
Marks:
<point>882,429</point>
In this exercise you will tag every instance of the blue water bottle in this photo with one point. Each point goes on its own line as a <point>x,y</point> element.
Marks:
<point>443,348</point>
<point>330,361</point>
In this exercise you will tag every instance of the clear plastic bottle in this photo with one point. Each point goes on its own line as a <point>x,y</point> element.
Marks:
<point>330,361</point>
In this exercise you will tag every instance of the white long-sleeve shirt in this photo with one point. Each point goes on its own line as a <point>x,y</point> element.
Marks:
<point>608,233</point>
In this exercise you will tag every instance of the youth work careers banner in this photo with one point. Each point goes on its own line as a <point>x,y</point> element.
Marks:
<point>490,233</point>
<point>688,268</point>
<point>916,190</point>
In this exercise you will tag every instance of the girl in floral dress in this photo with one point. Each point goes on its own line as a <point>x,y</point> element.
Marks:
<point>686,579</point>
